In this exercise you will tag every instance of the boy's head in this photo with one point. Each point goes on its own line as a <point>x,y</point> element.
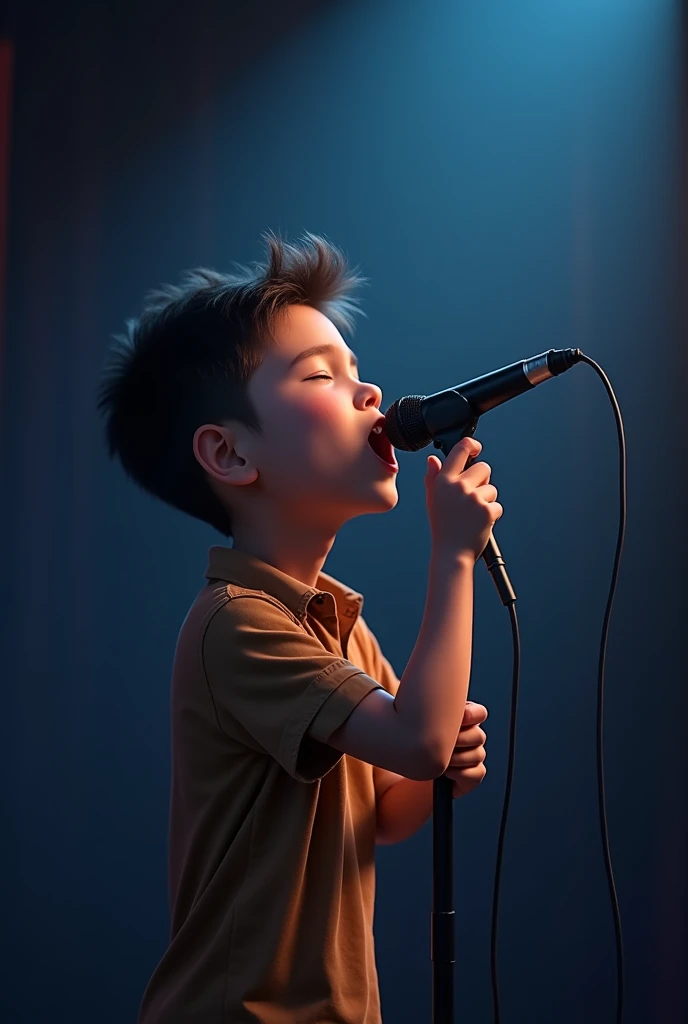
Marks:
<point>208,409</point>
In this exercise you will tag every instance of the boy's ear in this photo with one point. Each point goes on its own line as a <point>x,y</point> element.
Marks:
<point>214,448</point>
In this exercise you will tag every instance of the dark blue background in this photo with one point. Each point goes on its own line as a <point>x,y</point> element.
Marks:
<point>510,177</point>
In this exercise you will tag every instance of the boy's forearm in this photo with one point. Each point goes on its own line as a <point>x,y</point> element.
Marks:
<point>433,689</point>
<point>403,809</point>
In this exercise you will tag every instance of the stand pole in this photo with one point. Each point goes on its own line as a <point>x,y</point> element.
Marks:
<point>443,915</point>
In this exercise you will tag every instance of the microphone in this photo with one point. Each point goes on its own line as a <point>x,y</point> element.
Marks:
<point>414,421</point>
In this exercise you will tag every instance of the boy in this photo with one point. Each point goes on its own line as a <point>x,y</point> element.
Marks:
<point>295,748</point>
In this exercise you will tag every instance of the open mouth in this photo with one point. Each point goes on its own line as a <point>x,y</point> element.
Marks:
<point>382,446</point>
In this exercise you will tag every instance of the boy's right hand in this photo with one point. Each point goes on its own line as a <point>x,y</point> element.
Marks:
<point>461,503</point>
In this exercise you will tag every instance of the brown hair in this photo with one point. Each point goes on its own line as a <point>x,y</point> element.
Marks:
<point>188,358</point>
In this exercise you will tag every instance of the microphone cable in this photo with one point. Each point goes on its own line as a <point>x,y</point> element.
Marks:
<point>600,734</point>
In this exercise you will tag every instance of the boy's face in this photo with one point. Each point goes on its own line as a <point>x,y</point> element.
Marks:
<point>313,460</point>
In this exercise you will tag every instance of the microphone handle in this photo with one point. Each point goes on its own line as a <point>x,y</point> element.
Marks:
<point>491,555</point>
<point>494,561</point>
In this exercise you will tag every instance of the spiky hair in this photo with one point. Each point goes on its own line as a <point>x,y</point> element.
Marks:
<point>188,358</point>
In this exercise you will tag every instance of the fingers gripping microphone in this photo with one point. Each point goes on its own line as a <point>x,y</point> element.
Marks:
<point>446,417</point>
<point>414,421</point>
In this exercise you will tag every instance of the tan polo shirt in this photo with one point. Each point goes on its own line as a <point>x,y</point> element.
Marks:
<point>272,832</point>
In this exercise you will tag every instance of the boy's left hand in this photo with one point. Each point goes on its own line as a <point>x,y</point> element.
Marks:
<point>466,768</point>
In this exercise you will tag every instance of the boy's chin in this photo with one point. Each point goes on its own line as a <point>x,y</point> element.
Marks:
<point>387,498</point>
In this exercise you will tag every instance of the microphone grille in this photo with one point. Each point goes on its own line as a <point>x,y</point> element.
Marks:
<point>405,426</point>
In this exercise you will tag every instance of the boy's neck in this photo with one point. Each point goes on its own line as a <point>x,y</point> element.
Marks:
<point>299,554</point>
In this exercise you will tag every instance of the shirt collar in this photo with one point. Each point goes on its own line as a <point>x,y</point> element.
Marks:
<point>247,571</point>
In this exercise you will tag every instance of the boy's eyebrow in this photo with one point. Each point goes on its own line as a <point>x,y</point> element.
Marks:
<point>318,350</point>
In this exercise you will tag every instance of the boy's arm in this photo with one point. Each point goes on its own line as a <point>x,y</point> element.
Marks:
<point>402,805</point>
<point>421,722</point>
<point>403,811</point>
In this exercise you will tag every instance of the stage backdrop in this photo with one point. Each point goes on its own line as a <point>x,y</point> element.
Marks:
<point>510,178</point>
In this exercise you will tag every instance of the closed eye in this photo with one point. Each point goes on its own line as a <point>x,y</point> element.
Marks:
<point>321,376</point>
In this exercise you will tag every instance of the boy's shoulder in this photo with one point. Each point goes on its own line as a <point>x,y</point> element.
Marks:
<point>245,600</point>
<point>254,659</point>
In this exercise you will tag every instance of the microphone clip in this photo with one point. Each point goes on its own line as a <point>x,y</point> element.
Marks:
<point>450,418</point>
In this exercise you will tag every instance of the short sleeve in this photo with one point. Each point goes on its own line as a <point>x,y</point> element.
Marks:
<point>267,673</point>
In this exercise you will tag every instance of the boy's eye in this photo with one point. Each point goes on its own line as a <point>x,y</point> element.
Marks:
<point>321,376</point>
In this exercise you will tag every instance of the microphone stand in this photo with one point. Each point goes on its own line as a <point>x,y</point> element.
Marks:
<point>443,916</point>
